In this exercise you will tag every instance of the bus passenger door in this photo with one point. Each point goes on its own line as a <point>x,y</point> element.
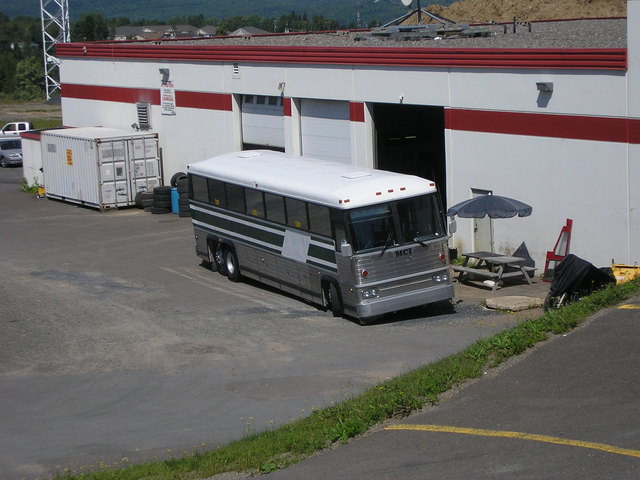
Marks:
<point>294,253</point>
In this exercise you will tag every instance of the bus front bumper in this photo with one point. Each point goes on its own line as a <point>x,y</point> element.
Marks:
<point>380,306</point>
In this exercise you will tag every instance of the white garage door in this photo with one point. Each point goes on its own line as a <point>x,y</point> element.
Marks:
<point>326,130</point>
<point>262,121</point>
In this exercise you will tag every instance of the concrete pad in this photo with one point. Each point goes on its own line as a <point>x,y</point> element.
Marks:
<point>514,303</point>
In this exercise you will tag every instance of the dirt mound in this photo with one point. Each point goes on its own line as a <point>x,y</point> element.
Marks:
<point>526,10</point>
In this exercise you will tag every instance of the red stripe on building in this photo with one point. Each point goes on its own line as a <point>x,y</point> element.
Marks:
<point>204,100</point>
<point>111,94</point>
<point>31,135</point>
<point>562,59</point>
<point>356,111</point>
<point>207,101</point>
<point>634,130</point>
<point>286,106</point>
<point>605,129</point>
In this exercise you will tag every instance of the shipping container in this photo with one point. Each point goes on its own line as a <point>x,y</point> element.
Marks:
<point>99,167</point>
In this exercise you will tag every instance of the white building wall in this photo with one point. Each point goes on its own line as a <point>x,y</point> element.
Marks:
<point>581,180</point>
<point>363,140</point>
<point>633,86</point>
<point>205,77</point>
<point>32,161</point>
<point>91,113</point>
<point>293,129</point>
<point>201,133</point>
<point>575,92</point>
<point>251,79</point>
<point>319,82</point>
<point>591,182</point>
<point>411,86</point>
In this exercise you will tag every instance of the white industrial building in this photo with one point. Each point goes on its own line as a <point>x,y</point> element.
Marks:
<point>555,127</point>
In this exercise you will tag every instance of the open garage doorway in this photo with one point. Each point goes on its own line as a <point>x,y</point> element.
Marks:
<point>410,139</point>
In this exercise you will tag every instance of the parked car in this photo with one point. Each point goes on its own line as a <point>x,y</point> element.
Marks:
<point>10,152</point>
<point>16,128</point>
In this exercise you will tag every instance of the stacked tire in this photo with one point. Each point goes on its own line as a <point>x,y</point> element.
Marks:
<point>182,184</point>
<point>144,200</point>
<point>161,200</point>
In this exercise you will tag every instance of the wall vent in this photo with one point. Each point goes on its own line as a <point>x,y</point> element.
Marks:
<point>144,122</point>
<point>236,70</point>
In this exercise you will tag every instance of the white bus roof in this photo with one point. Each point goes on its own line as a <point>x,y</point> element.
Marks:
<point>311,179</point>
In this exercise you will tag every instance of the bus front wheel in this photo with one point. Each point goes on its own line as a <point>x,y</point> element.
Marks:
<point>334,300</point>
<point>231,265</point>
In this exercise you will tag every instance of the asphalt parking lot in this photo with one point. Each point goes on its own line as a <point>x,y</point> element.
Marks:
<point>568,409</point>
<point>118,346</point>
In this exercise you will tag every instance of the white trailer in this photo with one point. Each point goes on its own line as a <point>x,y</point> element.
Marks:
<point>99,167</point>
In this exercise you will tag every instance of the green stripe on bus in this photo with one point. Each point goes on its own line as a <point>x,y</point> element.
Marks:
<point>240,241</point>
<point>325,241</point>
<point>323,267</point>
<point>328,255</point>
<point>255,233</point>
<point>240,216</point>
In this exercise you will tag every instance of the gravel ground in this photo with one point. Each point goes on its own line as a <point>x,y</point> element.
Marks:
<point>608,33</point>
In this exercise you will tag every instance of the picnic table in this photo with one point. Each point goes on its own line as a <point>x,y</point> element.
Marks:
<point>492,266</point>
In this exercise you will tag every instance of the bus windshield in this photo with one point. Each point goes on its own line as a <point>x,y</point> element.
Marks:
<point>396,223</point>
<point>372,227</point>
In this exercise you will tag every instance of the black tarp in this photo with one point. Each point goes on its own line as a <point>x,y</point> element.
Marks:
<point>575,275</point>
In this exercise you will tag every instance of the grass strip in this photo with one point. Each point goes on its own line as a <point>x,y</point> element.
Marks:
<point>278,448</point>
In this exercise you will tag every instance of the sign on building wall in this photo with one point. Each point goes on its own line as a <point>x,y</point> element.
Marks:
<point>168,99</point>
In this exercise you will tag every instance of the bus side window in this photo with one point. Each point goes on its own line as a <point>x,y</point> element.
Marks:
<point>199,190</point>
<point>319,221</point>
<point>217,195</point>
<point>255,203</point>
<point>297,214</point>
<point>235,198</point>
<point>275,208</point>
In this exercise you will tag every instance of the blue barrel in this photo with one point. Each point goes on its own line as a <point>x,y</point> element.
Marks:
<point>174,200</point>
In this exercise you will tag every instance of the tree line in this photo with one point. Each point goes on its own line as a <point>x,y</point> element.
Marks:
<point>21,48</point>
<point>94,26</point>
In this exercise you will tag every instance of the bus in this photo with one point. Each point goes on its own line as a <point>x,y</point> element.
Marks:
<point>359,242</point>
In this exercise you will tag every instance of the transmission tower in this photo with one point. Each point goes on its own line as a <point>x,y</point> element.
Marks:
<point>55,29</point>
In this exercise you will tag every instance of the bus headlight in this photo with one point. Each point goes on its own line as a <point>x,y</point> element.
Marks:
<point>370,293</point>
<point>440,278</point>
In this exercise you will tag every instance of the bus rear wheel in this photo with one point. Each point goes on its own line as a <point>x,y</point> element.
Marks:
<point>231,265</point>
<point>211,249</point>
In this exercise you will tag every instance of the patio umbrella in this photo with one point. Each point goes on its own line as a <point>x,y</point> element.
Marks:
<point>493,205</point>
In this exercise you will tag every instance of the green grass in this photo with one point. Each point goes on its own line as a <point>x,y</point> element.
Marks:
<point>290,443</point>
<point>26,187</point>
<point>44,123</point>
<point>42,116</point>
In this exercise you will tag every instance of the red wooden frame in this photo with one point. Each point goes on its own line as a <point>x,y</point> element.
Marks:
<point>559,252</point>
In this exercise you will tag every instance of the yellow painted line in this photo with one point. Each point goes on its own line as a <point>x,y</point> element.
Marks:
<point>518,435</point>
<point>630,307</point>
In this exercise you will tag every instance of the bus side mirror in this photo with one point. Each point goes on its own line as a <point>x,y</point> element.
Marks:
<point>453,226</point>
<point>346,250</point>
